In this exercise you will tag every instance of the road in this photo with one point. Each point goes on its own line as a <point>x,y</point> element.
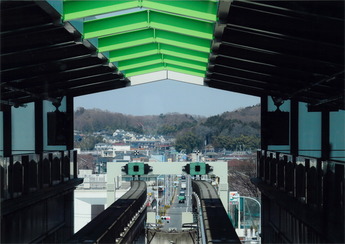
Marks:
<point>176,209</point>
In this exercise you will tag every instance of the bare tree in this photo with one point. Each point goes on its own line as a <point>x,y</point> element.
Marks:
<point>240,172</point>
<point>85,161</point>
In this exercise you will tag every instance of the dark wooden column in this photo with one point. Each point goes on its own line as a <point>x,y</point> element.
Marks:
<point>325,143</point>
<point>294,127</point>
<point>39,127</point>
<point>264,129</point>
<point>7,130</point>
<point>70,117</point>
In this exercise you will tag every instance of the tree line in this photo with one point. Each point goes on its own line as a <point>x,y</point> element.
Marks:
<point>234,130</point>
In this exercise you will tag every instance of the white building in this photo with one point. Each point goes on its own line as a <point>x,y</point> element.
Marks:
<point>90,198</point>
<point>109,150</point>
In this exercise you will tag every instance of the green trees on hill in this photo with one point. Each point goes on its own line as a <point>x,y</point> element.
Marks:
<point>188,141</point>
<point>236,143</point>
<point>173,129</point>
<point>236,130</point>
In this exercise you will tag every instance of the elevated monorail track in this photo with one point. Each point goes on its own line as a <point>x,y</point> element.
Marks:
<point>114,223</point>
<point>217,225</point>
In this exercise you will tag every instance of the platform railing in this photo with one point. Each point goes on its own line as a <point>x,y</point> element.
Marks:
<point>25,173</point>
<point>315,183</point>
<point>310,180</point>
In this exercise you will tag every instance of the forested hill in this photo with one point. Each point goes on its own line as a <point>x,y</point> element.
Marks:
<point>217,129</point>
<point>92,120</point>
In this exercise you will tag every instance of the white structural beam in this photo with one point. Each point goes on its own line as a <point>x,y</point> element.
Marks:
<point>165,75</point>
<point>220,169</point>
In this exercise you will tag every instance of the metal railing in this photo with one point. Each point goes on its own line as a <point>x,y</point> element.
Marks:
<point>22,174</point>
<point>201,227</point>
<point>314,187</point>
<point>310,180</point>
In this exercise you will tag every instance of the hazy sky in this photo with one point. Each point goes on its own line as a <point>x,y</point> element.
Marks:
<point>166,96</point>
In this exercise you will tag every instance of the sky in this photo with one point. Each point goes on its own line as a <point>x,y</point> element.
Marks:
<point>166,96</point>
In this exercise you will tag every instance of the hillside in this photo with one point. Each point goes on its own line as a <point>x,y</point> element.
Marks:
<point>247,114</point>
<point>227,130</point>
<point>92,120</point>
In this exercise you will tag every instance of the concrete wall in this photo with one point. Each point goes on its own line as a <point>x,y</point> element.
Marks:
<point>85,198</point>
<point>168,238</point>
<point>187,217</point>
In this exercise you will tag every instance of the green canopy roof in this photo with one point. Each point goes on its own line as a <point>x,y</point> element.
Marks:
<point>143,36</point>
<point>284,49</point>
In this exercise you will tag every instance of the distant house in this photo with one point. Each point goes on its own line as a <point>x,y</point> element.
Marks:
<point>110,150</point>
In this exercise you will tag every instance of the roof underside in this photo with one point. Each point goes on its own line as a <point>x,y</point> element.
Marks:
<point>285,49</point>
<point>143,36</point>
